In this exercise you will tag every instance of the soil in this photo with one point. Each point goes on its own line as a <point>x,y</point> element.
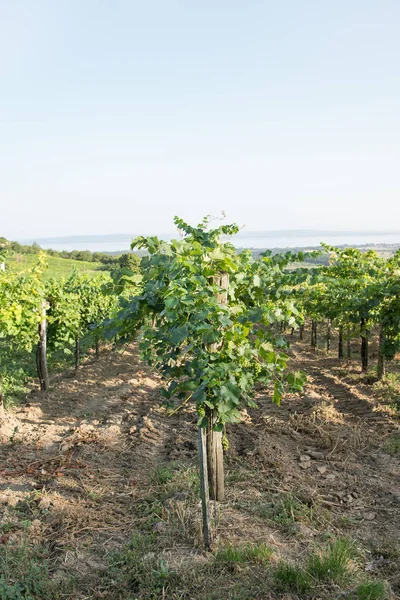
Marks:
<point>74,462</point>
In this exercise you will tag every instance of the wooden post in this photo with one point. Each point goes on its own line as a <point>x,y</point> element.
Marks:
<point>2,415</point>
<point>364,346</point>
<point>77,353</point>
<point>215,453</point>
<point>204,490</point>
<point>340,343</point>
<point>97,347</point>
<point>301,332</point>
<point>41,354</point>
<point>215,460</point>
<point>313,334</point>
<point>328,336</point>
<point>381,355</point>
<point>348,345</point>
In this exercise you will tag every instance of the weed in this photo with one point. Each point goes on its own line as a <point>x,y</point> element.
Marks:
<point>291,578</point>
<point>333,565</point>
<point>388,390</point>
<point>163,474</point>
<point>392,445</point>
<point>13,441</point>
<point>258,553</point>
<point>25,575</point>
<point>373,590</point>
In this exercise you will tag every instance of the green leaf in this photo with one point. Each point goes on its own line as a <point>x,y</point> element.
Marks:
<point>179,334</point>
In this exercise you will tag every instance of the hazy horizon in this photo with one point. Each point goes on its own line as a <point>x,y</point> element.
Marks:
<point>242,234</point>
<point>255,239</point>
<point>119,116</point>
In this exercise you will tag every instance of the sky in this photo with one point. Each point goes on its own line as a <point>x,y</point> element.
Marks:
<point>116,115</point>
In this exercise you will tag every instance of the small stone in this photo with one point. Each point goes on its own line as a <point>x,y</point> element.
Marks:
<point>304,530</point>
<point>160,527</point>
<point>369,516</point>
<point>313,395</point>
<point>322,469</point>
<point>125,391</point>
<point>304,458</point>
<point>316,454</point>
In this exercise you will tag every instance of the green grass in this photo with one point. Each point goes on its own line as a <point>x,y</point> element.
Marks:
<point>230,554</point>
<point>164,473</point>
<point>392,445</point>
<point>291,578</point>
<point>288,510</point>
<point>18,368</point>
<point>57,267</point>
<point>24,575</point>
<point>332,565</point>
<point>388,390</point>
<point>372,590</point>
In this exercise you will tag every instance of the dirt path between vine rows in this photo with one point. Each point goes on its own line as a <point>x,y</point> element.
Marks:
<point>75,465</point>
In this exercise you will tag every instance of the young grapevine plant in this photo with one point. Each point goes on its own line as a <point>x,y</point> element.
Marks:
<point>211,342</point>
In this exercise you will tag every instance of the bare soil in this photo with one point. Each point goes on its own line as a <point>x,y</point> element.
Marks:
<point>76,464</point>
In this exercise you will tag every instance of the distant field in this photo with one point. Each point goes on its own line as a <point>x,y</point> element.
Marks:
<point>57,267</point>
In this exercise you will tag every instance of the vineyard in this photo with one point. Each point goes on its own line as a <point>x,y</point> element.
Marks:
<point>207,425</point>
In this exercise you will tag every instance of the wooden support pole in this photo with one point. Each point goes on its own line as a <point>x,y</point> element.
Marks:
<point>328,335</point>
<point>215,453</point>
<point>41,355</point>
<point>2,415</point>
<point>364,346</point>
<point>348,345</point>
<point>381,355</point>
<point>204,489</point>
<point>340,343</point>
<point>215,460</point>
<point>77,353</point>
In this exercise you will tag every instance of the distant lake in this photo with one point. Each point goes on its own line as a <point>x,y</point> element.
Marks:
<point>295,241</point>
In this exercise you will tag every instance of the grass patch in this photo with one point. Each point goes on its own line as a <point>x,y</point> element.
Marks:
<point>163,474</point>
<point>288,510</point>
<point>372,590</point>
<point>18,367</point>
<point>392,445</point>
<point>333,565</point>
<point>330,566</point>
<point>291,578</point>
<point>137,570</point>
<point>388,391</point>
<point>25,575</point>
<point>57,267</point>
<point>231,555</point>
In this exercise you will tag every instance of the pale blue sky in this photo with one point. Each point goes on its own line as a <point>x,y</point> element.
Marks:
<point>115,115</point>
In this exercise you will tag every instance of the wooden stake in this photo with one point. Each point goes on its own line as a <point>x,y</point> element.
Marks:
<point>328,336</point>
<point>77,353</point>
<point>204,489</point>
<point>340,343</point>
<point>2,415</point>
<point>381,356</point>
<point>215,453</point>
<point>41,355</point>
<point>215,460</point>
